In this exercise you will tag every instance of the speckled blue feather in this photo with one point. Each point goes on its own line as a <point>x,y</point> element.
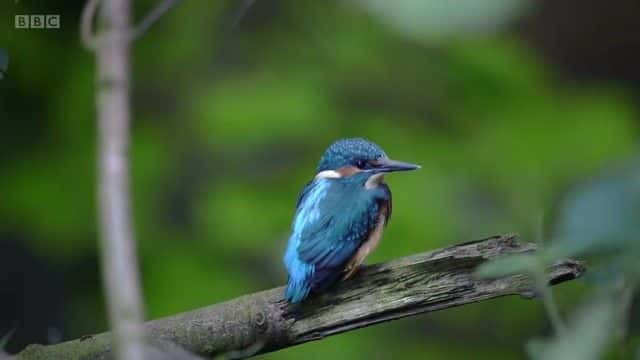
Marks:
<point>347,151</point>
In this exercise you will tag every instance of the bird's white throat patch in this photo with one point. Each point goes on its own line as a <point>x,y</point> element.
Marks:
<point>374,181</point>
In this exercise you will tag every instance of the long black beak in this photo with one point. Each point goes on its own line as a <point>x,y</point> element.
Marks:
<point>388,165</point>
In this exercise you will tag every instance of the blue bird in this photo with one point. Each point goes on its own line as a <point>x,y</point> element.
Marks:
<point>340,216</point>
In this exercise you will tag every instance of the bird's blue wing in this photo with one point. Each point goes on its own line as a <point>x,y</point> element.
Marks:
<point>329,227</point>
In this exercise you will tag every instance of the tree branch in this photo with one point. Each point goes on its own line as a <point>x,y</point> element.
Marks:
<point>154,15</point>
<point>263,322</point>
<point>87,36</point>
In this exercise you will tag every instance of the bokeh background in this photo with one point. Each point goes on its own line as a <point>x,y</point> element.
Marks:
<point>510,106</point>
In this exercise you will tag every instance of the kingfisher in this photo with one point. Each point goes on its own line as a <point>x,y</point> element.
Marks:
<point>340,216</point>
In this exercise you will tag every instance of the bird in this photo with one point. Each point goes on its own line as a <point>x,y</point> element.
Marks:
<point>340,216</point>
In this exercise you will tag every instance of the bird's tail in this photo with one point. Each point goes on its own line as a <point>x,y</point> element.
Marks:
<point>300,277</point>
<point>304,277</point>
<point>297,290</point>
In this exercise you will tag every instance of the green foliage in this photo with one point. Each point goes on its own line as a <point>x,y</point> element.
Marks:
<point>598,220</point>
<point>589,334</point>
<point>228,127</point>
<point>600,217</point>
<point>279,109</point>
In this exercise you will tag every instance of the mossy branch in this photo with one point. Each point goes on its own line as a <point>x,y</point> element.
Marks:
<point>263,322</point>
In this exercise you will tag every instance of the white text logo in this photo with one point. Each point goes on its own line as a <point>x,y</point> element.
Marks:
<point>37,22</point>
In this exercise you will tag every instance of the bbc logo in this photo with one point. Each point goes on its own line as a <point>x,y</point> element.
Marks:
<point>37,22</point>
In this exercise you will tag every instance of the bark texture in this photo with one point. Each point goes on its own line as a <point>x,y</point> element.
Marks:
<point>263,322</point>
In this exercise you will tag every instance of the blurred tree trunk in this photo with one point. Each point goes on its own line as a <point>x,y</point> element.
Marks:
<point>118,250</point>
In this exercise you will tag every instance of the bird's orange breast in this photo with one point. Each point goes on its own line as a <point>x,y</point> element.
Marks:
<point>372,242</point>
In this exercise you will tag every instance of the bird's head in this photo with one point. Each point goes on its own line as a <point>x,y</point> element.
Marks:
<point>347,157</point>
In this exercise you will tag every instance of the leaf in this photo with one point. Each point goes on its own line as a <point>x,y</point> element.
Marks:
<point>509,265</point>
<point>600,217</point>
<point>589,332</point>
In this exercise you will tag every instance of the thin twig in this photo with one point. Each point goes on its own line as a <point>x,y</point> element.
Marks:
<point>550,305</point>
<point>88,38</point>
<point>626,300</point>
<point>154,15</point>
<point>538,229</point>
<point>548,300</point>
<point>246,5</point>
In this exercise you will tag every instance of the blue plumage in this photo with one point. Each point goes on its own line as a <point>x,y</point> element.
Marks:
<point>349,152</point>
<point>336,213</point>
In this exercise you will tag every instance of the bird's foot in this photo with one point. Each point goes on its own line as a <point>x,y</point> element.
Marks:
<point>351,270</point>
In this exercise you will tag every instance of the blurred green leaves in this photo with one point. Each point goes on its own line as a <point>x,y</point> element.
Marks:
<point>427,20</point>
<point>589,334</point>
<point>260,110</point>
<point>598,221</point>
<point>600,217</point>
<point>198,280</point>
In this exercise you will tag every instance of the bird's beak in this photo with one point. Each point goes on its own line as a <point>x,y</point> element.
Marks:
<point>388,165</point>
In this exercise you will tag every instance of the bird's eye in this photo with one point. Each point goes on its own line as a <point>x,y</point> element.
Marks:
<point>361,164</point>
